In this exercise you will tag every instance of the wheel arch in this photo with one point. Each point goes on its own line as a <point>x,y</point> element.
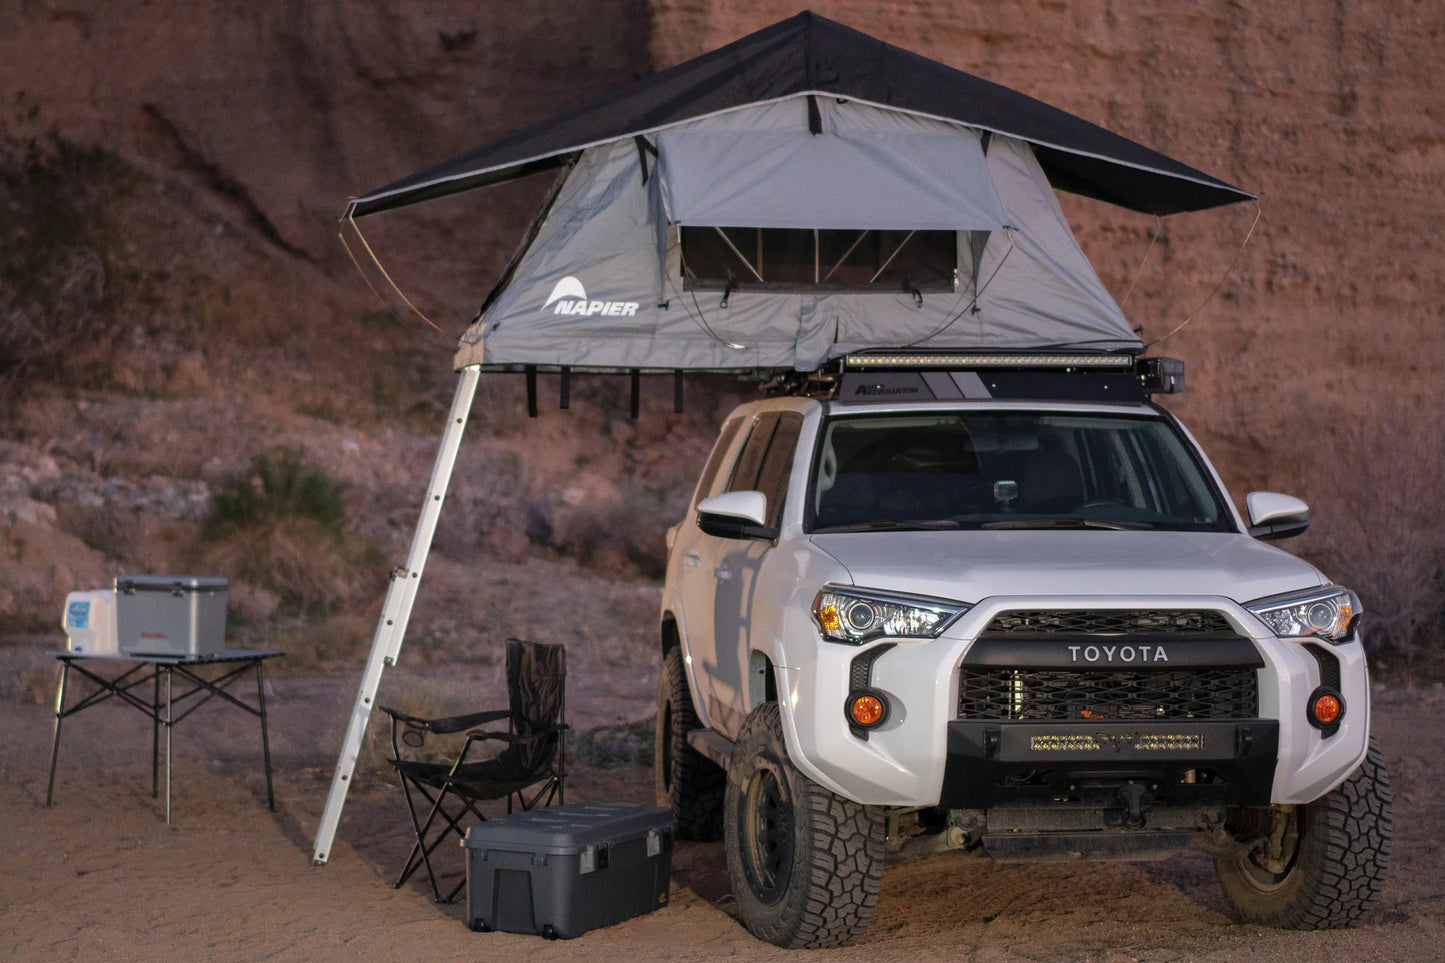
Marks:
<point>669,635</point>
<point>762,679</point>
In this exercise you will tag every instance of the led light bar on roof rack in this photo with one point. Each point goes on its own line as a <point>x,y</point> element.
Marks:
<point>960,360</point>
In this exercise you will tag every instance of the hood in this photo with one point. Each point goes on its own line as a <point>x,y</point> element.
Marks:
<point>972,565</point>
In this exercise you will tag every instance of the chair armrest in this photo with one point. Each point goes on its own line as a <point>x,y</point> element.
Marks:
<point>470,721</point>
<point>449,724</point>
<point>514,738</point>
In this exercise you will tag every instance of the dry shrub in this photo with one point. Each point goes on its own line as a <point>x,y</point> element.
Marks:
<point>35,680</point>
<point>1379,526</point>
<point>627,538</point>
<point>310,568</point>
<point>617,745</point>
<point>312,644</point>
<point>283,529</point>
<point>56,252</point>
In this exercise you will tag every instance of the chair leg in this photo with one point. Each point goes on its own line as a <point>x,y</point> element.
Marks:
<point>551,789</point>
<point>421,850</point>
<point>418,855</point>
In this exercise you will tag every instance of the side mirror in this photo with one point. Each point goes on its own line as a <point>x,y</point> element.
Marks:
<point>1274,516</point>
<point>736,515</point>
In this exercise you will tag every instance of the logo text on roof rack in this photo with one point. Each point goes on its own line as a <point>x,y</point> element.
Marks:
<point>570,297</point>
<point>875,390</point>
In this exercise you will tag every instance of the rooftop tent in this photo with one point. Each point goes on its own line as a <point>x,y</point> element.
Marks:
<point>802,193</point>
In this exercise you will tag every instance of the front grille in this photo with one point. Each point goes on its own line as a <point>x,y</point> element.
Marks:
<point>1049,695</point>
<point>1051,623</point>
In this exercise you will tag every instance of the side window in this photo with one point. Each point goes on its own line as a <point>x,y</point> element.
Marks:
<point>767,460</point>
<point>714,462</point>
<point>745,470</point>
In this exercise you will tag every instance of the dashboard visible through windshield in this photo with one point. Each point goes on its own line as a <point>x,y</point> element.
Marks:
<point>1009,469</point>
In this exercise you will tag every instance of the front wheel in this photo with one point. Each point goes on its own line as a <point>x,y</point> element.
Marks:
<point>1316,866</point>
<point>806,864</point>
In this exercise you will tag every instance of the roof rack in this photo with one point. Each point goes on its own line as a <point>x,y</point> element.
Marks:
<point>913,375</point>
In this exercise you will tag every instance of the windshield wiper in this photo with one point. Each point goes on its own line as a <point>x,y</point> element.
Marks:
<point>913,525</point>
<point>1069,522</point>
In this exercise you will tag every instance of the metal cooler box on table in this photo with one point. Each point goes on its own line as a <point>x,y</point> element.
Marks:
<point>177,615</point>
<point>564,870</point>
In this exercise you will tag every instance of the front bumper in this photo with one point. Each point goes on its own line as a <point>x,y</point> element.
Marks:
<point>924,755</point>
<point>1180,764</point>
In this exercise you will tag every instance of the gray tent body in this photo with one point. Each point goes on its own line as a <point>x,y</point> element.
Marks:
<point>806,125</point>
<point>602,284</point>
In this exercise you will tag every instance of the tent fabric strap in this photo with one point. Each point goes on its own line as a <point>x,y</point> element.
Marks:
<point>644,147</point>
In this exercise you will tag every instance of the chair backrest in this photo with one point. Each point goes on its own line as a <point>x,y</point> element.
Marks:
<point>536,686</point>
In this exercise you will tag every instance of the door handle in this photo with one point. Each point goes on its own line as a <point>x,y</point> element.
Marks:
<point>692,558</point>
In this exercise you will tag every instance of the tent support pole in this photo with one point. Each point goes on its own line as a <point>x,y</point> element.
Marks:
<point>396,612</point>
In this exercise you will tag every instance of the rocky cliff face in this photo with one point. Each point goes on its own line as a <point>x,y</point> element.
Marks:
<point>249,125</point>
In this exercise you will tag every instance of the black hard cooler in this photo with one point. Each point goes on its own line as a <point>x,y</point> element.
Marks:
<point>564,870</point>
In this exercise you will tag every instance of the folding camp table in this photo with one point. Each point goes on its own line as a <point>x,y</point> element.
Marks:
<point>207,676</point>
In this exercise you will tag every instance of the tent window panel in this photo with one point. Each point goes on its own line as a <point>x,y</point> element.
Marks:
<point>812,259</point>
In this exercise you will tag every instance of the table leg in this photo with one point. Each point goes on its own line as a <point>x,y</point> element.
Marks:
<point>168,744</point>
<point>59,715</point>
<point>156,738</point>
<point>265,738</point>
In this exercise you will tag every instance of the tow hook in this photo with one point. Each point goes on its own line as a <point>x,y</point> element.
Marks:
<point>1132,796</point>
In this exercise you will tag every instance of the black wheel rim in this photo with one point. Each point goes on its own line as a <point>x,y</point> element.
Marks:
<point>767,831</point>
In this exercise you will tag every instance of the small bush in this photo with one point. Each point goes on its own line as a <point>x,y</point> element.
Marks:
<point>281,486</point>
<point>614,746</point>
<point>283,528</point>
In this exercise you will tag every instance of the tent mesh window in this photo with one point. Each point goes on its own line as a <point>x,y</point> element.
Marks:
<point>771,258</point>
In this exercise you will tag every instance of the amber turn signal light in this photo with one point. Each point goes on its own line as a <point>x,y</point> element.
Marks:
<point>867,709</point>
<point>1326,708</point>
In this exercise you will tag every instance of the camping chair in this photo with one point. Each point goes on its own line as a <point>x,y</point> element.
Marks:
<point>529,769</point>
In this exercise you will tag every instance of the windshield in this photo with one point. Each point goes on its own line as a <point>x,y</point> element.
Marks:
<point>1009,469</point>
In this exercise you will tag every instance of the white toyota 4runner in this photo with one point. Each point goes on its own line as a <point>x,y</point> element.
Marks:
<point>1004,604</point>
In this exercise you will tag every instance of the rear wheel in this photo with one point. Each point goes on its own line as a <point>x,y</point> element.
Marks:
<point>686,781</point>
<point>1316,866</point>
<point>806,864</point>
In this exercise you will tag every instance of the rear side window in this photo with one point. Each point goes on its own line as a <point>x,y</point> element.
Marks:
<point>714,461</point>
<point>767,460</point>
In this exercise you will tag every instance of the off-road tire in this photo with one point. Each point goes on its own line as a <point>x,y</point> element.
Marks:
<point>806,864</point>
<point>688,782</point>
<point>1335,869</point>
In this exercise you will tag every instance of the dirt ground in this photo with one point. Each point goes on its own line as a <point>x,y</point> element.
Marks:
<point>100,876</point>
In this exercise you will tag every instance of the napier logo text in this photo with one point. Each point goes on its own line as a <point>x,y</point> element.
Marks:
<point>1117,654</point>
<point>570,297</point>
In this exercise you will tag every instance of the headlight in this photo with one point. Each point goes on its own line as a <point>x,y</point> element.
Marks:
<point>854,616</point>
<point>1328,613</point>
